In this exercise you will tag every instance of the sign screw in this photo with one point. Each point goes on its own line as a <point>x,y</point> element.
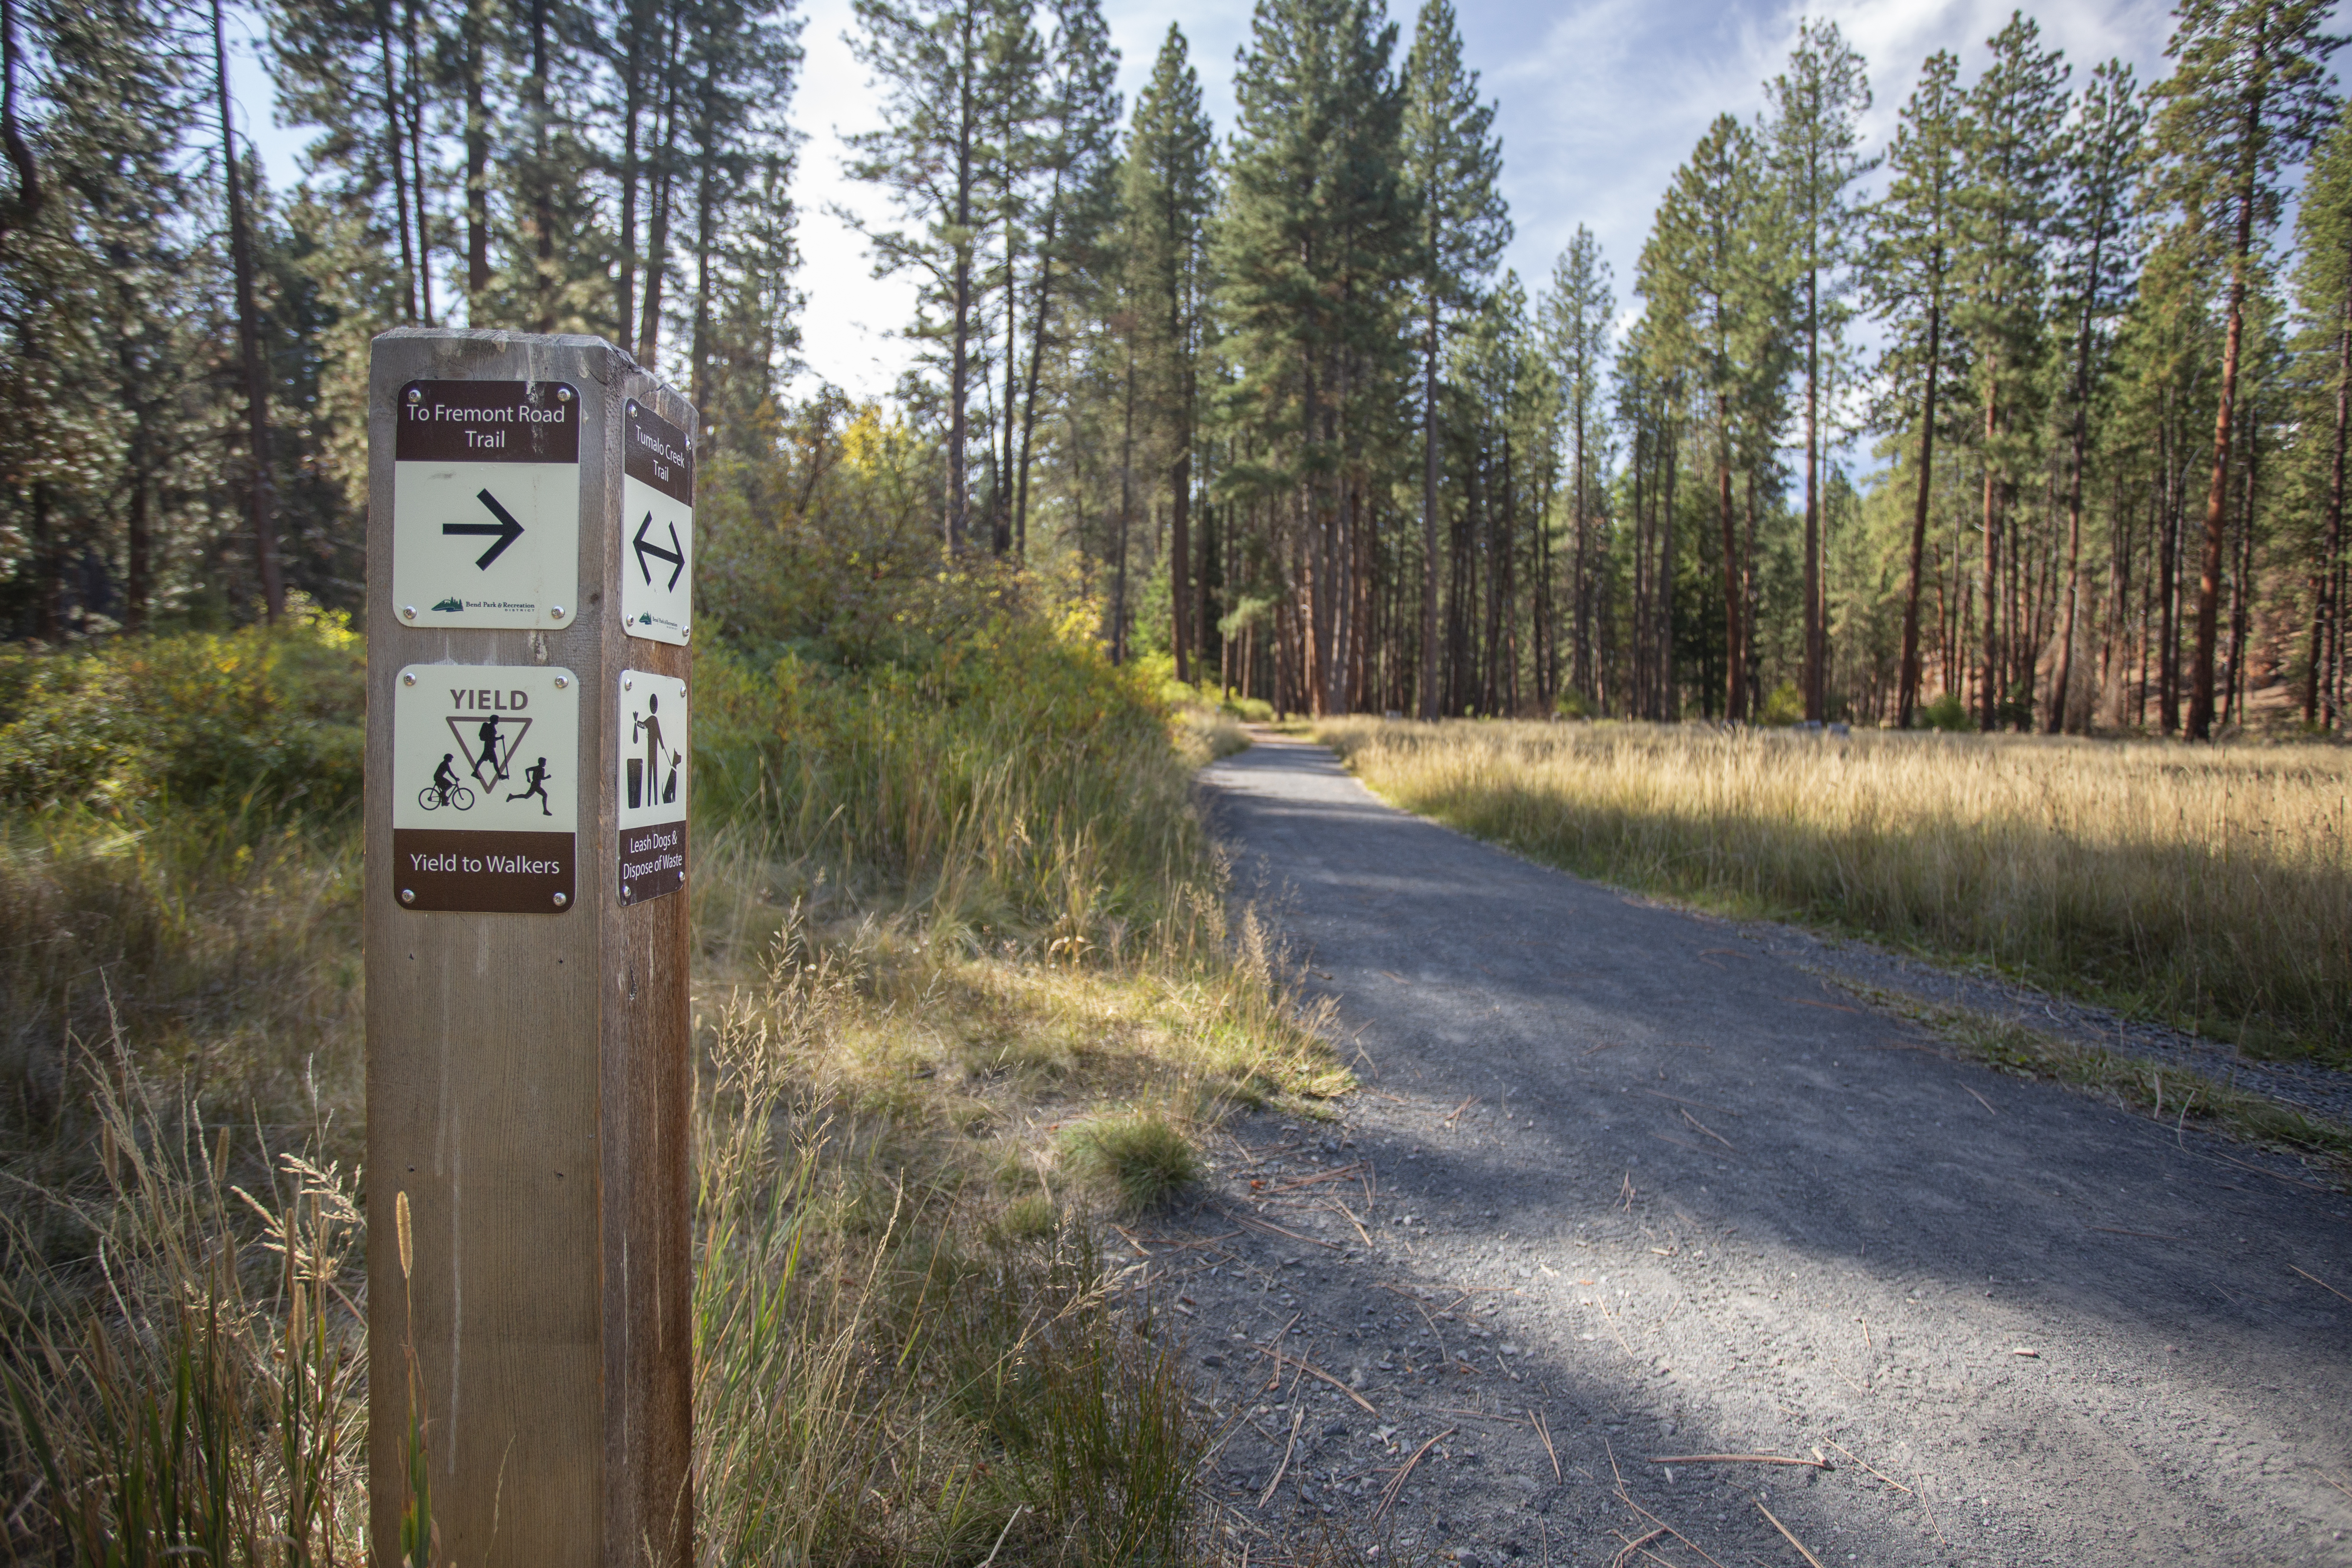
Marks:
<point>408,895</point>
<point>407,612</point>
<point>561,900</point>
<point>554,612</point>
<point>628,683</point>
<point>624,889</point>
<point>416,395</point>
<point>408,678</point>
<point>563,394</point>
<point>561,682</point>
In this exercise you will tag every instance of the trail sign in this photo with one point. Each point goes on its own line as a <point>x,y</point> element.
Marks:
<point>652,785</point>
<point>485,799</point>
<point>529,1073</point>
<point>485,503</point>
<point>657,517</point>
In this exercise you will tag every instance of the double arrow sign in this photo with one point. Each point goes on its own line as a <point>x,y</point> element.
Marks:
<point>675,554</point>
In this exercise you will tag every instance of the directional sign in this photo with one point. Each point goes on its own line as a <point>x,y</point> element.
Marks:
<point>650,788</point>
<point>485,803</point>
<point>656,527</point>
<point>485,503</point>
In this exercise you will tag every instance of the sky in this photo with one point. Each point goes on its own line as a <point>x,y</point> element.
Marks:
<point>1598,101</point>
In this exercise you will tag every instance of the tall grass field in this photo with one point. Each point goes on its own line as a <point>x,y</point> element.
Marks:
<point>2211,886</point>
<point>965,988</point>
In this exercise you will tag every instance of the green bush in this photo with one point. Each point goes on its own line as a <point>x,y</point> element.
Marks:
<point>1249,710</point>
<point>1949,713</point>
<point>1782,705</point>
<point>267,715</point>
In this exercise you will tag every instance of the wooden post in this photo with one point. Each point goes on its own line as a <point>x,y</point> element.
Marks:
<point>528,1076</point>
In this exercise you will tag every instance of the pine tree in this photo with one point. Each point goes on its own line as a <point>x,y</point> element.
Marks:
<point>1577,317</point>
<point>2247,102</point>
<point>2012,140</point>
<point>2324,291</point>
<point>2095,226</point>
<point>929,59</point>
<point>1816,158</point>
<point>1452,164</point>
<point>1307,249</point>
<point>1166,194</point>
<point>1707,274</point>
<point>1909,283</point>
<point>1074,160</point>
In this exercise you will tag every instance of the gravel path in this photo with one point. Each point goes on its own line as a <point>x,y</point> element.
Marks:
<point>1625,1183</point>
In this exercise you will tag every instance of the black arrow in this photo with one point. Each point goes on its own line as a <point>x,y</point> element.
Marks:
<point>675,554</point>
<point>507,529</point>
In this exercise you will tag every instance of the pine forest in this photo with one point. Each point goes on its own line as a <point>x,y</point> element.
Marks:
<point>2030,416</point>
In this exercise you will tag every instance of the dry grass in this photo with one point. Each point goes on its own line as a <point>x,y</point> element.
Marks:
<point>907,1350</point>
<point>2211,887</point>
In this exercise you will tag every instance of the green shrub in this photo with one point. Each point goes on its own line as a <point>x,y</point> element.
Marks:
<point>269,715</point>
<point>1249,710</point>
<point>1949,713</point>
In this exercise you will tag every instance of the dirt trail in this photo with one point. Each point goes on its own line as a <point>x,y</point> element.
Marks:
<point>1623,1182</point>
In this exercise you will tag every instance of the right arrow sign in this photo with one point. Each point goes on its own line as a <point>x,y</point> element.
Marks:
<point>657,490</point>
<point>486,463</point>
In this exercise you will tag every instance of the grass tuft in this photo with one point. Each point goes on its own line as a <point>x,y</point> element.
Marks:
<point>1141,1158</point>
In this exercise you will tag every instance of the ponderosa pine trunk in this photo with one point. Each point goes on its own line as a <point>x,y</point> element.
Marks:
<point>1906,700</point>
<point>248,346</point>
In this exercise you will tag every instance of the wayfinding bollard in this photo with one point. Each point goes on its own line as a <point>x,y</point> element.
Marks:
<point>529,608</point>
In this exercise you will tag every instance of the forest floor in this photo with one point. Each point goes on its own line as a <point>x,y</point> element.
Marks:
<point>1628,1189</point>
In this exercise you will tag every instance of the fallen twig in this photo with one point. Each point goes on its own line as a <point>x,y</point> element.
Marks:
<point>1458,1111</point>
<point>1678,1099</point>
<point>1982,1100</point>
<point>1350,1215</point>
<point>1000,1534</point>
<point>1396,1482</point>
<point>1254,1223</point>
<point>1736,1459</point>
<point>1297,1415</point>
<point>1333,1174</point>
<point>1308,1367</point>
<point>1710,1131</point>
<point>1866,1464</point>
<point>1625,1552</point>
<point>2149,1235</point>
<point>1833,1006</point>
<point>2322,1284</point>
<point>1273,1347</point>
<point>1791,1538</point>
<point>1535,1419</point>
